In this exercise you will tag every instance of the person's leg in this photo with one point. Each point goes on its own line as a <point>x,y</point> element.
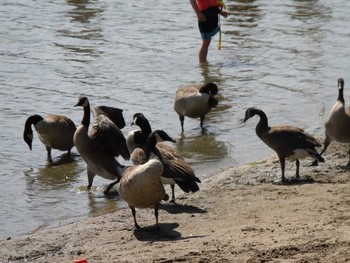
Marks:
<point>203,52</point>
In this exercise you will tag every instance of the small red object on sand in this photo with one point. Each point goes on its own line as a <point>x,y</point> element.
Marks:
<point>80,260</point>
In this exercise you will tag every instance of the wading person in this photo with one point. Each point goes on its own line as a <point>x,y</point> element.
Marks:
<point>207,12</point>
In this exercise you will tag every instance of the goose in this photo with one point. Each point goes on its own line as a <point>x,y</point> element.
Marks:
<point>287,141</point>
<point>54,131</point>
<point>99,146</point>
<point>337,126</point>
<point>176,169</point>
<point>140,185</point>
<point>195,101</point>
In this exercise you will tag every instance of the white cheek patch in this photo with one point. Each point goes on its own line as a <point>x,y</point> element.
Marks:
<point>299,154</point>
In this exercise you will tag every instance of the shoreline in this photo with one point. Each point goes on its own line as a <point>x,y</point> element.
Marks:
<point>238,215</point>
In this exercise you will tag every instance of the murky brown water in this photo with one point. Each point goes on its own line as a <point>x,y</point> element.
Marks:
<point>281,56</point>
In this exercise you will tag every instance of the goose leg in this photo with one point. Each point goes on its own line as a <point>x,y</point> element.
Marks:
<point>48,149</point>
<point>283,161</point>
<point>182,119</point>
<point>156,213</point>
<point>297,162</point>
<point>110,186</point>
<point>133,211</point>
<point>172,193</point>
<point>91,176</point>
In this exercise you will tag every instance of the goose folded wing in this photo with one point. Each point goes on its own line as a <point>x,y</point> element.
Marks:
<point>292,137</point>
<point>107,136</point>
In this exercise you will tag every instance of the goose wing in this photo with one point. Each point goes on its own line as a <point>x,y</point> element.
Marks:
<point>176,168</point>
<point>292,138</point>
<point>114,114</point>
<point>107,136</point>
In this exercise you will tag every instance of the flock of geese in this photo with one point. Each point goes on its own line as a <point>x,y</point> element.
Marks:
<point>155,163</point>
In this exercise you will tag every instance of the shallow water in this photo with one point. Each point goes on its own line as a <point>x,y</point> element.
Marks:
<point>281,56</point>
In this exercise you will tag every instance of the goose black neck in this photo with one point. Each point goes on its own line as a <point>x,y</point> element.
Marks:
<point>34,119</point>
<point>151,147</point>
<point>145,128</point>
<point>263,118</point>
<point>86,117</point>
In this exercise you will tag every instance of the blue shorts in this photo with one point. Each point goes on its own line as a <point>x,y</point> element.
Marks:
<point>209,27</point>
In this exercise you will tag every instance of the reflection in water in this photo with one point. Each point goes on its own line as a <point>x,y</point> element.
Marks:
<point>244,13</point>
<point>214,76</point>
<point>205,148</point>
<point>84,10</point>
<point>101,205</point>
<point>58,173</point>
<point>87,30</point>
<point>309,9</point>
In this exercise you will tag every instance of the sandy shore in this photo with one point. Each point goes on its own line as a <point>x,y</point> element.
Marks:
<point>239,215</point>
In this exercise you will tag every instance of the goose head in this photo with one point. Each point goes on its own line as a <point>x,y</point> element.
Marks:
<point>249,113</point>
<point>82,102</point>
<point>341,90</point>
<point>210,88</point>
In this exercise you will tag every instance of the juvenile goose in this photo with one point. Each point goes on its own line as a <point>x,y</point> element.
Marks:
<point>195,101</point>
<point>140,185</point>
<point>99,146</point>
<point>54,131</point>
<point>287,141</point>
<point>337,126</point>
<point>176,169</point>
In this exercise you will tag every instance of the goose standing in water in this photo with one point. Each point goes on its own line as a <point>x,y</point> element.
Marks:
<point>287,141</point>
<point>176,169</point>
<point>337,126</point>
<point>54,131</point>
<point>140,185</point>
<point>195,101</point>
<point>99,146</point>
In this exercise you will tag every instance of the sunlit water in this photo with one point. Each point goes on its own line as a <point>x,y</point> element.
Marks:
<point>281,56</point>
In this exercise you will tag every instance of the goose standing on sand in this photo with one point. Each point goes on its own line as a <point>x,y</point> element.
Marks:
<point>195,101</point>
<point>54,131</point>
<point>337,126</point>
<point>287,141</point>
<point>176,169</point>
<point>140,185</point>
<point>99,146</point>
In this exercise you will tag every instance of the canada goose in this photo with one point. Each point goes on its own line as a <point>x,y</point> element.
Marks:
<point>287,141</point>
<point>140,185</point>
<point>176,169</point>
<point>195,101</point>
<point>99,146</point>
<point>337,126</point>
<point>54,131</point>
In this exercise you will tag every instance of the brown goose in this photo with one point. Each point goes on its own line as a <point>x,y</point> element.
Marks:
<point>195,101</point>
<point>337,126</point>
<point>176,169</point>
<point>54,131</point>
<point>99,146</point>
<point>287,141</point>
<point>140,185</point>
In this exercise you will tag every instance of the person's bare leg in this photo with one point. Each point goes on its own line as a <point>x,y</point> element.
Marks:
<point>203,52</point>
